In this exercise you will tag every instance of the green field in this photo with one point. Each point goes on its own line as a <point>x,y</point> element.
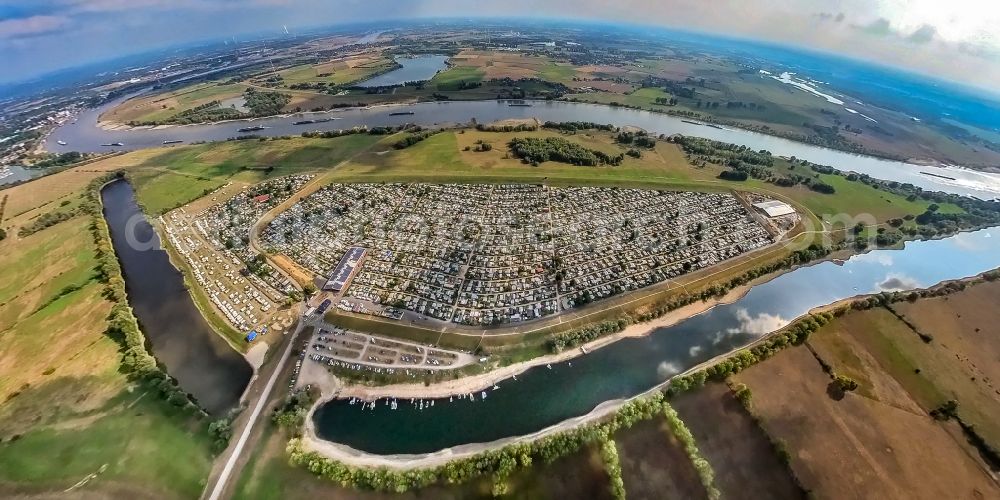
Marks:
<point>148,447</point>
<point>339,74</point>
<point>180,175</point>
<point>452,77</point>
<point>441,158</point>
<point>66,410</point>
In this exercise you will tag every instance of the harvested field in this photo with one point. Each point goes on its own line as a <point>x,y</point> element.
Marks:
<point>514,65</point>
<point>654,464</point>
<point>858,447</point>
<point>962,360</point>
<point>745,463</point>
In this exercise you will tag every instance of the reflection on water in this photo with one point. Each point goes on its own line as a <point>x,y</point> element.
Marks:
<point>201,361</point>
<point>542,397</point>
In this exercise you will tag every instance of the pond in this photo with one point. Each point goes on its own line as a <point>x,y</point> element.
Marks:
<point>202,362</point>
<point>414,69</point>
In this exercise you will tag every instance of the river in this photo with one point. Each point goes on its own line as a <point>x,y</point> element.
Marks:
<point>542,397</point>
<point>84,135</point>
<point>201,361</point>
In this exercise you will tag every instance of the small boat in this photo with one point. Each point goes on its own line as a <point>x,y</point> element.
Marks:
<point>549,366</point>
<point>175,141</point>
<point>61,143</point>
<point>451,399</point>
<point>112,144</point>
<point>519,105</point>
<point>495,387</point>
<point>402,113</point>
<point>483,395</point>
<point>251,129</point>
<point>304,122</point>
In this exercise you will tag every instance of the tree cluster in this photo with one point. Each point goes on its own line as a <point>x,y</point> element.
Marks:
<point>536,150</point>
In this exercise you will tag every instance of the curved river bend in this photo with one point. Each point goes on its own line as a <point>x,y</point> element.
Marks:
<point>84,135</point>
<point>201,361</point>
<point>542,397</point>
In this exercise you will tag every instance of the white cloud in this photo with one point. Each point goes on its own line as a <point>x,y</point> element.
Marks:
<point>667,369</point>
<point>31,26</point>
<point>761,324</point>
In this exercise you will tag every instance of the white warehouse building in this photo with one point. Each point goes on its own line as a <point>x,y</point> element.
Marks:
<point>774,208</point>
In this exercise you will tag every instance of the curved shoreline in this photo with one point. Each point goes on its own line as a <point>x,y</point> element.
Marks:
<point>343,453</point>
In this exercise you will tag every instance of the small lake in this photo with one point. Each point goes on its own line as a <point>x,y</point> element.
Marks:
<point>542,397</point>
<point>16,173</point>
<point>414,69</point>
<point>201,361</point>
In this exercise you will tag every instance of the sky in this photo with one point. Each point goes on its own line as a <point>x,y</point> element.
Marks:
<point>957,40</point>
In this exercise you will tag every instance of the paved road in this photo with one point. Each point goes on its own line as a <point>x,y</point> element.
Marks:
<point>220,479</point>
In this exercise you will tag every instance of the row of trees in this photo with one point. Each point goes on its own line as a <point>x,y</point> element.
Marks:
<point>576,126</point>
<point>701,465</point>
<point>504,461</point>
<point>613,466</point>
<point>499,462</point>
<point>45,220</point>
<point>414,138</point>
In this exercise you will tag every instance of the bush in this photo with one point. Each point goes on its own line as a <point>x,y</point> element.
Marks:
<point>845,383</point>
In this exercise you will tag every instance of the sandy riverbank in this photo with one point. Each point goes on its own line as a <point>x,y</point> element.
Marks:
<point>476,383</point>
<point>312,442</point>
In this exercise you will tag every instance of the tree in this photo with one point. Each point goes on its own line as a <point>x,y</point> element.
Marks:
<point>845,383</point>
<point>309,290</point>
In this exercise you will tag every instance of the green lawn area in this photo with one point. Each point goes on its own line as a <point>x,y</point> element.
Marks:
<point>149,447</point>
<point>559,73</point>
<point>180,175</point>
<point>643,98</point>
<point>441,158</point>
<point>452,77</point>
<point>337,74</point>
<point>66,410</point>
<point>165,106</point>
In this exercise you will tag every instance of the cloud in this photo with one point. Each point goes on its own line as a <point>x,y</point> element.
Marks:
<point>923,34</point>
<point>761,324</point>
<point>878,27</point>
<point>827,16</point>
<point>881,27</point>
<point>31,26</point>
<point>667,369</point>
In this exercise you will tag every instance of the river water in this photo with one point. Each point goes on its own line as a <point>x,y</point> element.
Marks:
<point>201,361</point>
<point>84,135</point>
<point>542,397</point>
